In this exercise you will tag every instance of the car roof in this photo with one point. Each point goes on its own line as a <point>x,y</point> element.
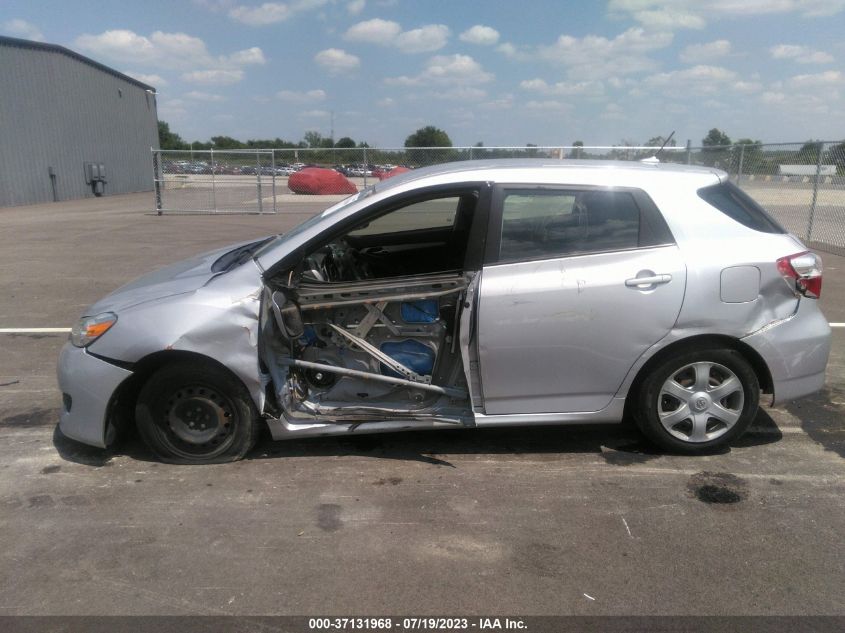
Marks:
<point>540,169</point>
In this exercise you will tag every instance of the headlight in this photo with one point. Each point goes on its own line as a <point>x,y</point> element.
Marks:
<point>89,329</point>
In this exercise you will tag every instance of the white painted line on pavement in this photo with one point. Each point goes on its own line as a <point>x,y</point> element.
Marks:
<point>836,324</point>
<point>34,330</point>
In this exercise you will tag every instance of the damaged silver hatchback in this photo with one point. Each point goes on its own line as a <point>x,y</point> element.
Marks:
<point>469,295</point>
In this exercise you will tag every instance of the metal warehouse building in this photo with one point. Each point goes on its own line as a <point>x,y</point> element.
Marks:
<point>70,127</point>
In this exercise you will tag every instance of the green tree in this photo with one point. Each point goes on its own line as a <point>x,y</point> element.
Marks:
<point>226,142</point>
<point>345,142</point>
<point>168,139</point>
<point>313,139</point>
<point>577,150</point>
<point>715,148</point>
<point>658,141</point>
<point>428,136</point>
<point>836,156</point>
<point>749,153</point>
<point>716,138</point>
<point>809,153</point>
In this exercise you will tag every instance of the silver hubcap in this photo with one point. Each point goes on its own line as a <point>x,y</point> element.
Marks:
<point>700,402</point>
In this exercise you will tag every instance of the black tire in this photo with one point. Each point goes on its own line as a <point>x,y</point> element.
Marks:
<point>686,436</point>
<point>196,413</point>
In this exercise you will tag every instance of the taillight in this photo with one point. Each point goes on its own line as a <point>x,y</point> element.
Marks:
<point>803,273</point>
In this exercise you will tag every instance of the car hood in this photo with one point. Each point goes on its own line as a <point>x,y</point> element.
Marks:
<point>184,276</point>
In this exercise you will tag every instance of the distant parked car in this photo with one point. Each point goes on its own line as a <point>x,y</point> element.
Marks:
<point>471,295</point>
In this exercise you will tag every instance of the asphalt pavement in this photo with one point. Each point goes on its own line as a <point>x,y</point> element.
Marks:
<point>580,521</point>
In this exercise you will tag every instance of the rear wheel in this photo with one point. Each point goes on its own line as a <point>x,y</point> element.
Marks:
<point>196,413</point>
<point>698,401</point>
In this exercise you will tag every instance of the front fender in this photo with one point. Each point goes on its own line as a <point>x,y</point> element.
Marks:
<point>219,320</point>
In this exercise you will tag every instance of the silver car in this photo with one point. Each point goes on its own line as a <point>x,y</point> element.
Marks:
<point>475,294</point>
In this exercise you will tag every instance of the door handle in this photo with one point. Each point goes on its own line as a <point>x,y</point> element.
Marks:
<point>652,280</point>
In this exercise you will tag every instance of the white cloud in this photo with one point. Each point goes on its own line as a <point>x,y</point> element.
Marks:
<point>213,77</point>
<point>356,6</point>
<point>549,105</point>
<point>272,12</point>
<point>595,57</point>
<point>773,97</point>
<point>747,86</point>
<point>245,57</point>
<point>22,29</point>
<point>502,102</point>
<point>446,70</point>
<point>336,60</point>
<point>314,114</point>
<point>156,81</point>
<point>613,112</point>
<point>697,53</point>
<point>659,14</point>
<point>565,88</point>
<point>695,14</point>
<point>387,102</point>
<point>198,95</point>
<point>164,50</point>
<point>460,93</point>
<point>375,31</point>
<point>423,40</point>
<point>800,54</point>
<point>171,108</point>
<point>827,78</point>
<point>480,34</point>
<point>428,38</point>
<point>698,79</point>
<point>292,96</point>
<point>507,49</point>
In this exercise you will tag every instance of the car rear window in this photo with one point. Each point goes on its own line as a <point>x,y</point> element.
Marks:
<point>545,223</point>
<point>739,206</point>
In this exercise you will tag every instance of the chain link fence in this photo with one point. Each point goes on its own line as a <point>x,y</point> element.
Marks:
<point>214,181</point>
<point>801,184</point>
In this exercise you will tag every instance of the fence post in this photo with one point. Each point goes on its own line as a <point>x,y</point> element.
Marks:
<point>156,179</point>
<point>273,169</point>
<point>258,182</point>
<point>815,192</point>
<point>739,167</point>
<point>213,183</point>
<point>689,152</point>
<point>365,166</point>
<point>470,153</point>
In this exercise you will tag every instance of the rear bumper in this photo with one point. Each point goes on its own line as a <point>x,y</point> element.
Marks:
<point>87,384</point>
<point>796,351</point>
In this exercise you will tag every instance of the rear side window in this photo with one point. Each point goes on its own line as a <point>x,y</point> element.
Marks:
<point>739,206</point>
<point>541,224</point>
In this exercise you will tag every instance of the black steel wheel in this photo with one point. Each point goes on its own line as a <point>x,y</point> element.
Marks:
<point>196,413</point>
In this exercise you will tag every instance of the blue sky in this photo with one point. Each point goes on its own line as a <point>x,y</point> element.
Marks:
<point>505,73</point>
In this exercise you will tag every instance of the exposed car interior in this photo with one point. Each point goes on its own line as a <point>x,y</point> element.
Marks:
<point>366,328</point>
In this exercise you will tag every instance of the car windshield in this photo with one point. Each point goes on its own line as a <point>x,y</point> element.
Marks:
<point>307,224</point>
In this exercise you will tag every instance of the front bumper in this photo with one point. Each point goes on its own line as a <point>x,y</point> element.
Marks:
<point>87,384</point>
<point>796,351</point>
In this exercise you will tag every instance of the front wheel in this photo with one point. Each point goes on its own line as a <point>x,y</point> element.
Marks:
<point>196,413</point>
<point>698,401</point>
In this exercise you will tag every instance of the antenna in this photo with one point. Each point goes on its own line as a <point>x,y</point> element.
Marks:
<point>657,155</point>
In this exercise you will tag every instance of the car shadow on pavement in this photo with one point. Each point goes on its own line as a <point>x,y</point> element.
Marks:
<point>617,444</point>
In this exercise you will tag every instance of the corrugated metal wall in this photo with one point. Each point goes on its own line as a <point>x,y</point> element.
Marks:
<point>59,112</point>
